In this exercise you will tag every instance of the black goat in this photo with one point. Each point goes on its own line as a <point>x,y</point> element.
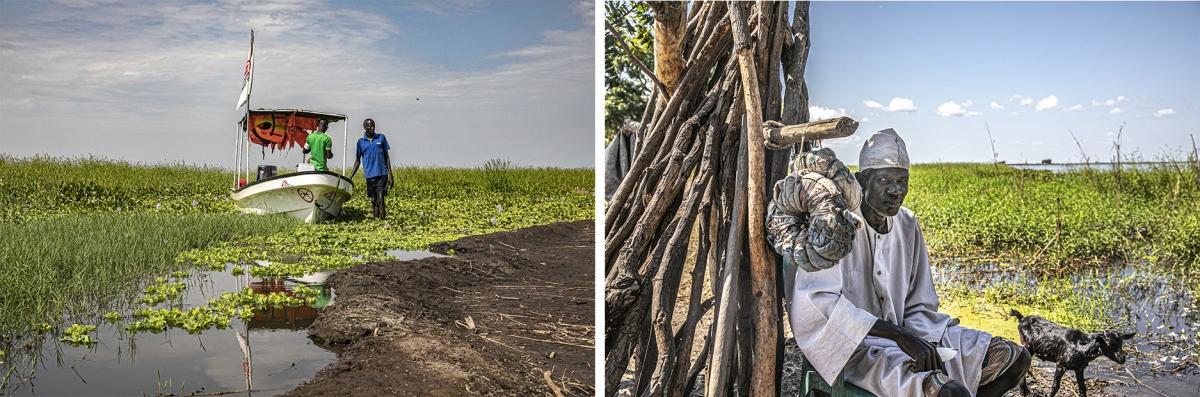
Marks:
<point>1068,348</point>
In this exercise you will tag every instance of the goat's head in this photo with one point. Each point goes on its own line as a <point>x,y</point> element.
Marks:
<point>1110,344</point>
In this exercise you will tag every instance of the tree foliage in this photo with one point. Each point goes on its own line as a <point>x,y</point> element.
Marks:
<point>626,88</point>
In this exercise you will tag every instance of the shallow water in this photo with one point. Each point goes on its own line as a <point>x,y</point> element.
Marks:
<point>121,363</point>
<point>1159,305</point>
<point>1068,167</point>
<point>402,255</point>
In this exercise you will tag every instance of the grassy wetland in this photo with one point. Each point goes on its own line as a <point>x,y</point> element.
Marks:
<point>95,248</point>
<point>1091,249</point>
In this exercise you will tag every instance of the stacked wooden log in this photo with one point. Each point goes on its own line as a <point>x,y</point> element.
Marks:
<point>696,195</point>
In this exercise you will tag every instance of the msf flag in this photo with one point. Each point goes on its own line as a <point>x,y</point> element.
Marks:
<point>247,76</point>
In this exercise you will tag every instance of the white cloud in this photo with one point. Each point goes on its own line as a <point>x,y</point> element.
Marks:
<point>1109,102</point>
<point>1164,112</point>
<point>951,109</point>
<point>866,119</point>
<point>1014,114</point>
<point>817,113</point>
<point>178,67</point>
<point>1047,103</point>
<point>1021,99</point>
<point>897,104</point>
<point>443,7</point>
<point>1117,111</point>
<point>901,105</point>
<point>996,106</point>
<point>1075,108</point>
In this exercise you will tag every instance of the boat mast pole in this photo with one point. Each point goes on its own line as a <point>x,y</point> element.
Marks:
<point>345,141</point>
<point>237,154</point>
<point>249,90</point>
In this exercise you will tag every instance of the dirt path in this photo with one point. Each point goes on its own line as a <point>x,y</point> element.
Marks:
<point>402,328</point>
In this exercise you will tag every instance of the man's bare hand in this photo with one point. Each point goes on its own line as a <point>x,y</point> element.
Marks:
<point>924,353</point>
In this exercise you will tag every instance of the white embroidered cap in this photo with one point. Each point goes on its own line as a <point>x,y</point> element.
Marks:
<point>884,149</point>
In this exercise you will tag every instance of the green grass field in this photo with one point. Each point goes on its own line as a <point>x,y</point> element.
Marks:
<point>1068,238</point>
<point>1057,221</point>
<point>86,235</point>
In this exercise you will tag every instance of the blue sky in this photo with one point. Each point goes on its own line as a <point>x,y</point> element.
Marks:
<point>1048,67</point>
<point>157,82</point>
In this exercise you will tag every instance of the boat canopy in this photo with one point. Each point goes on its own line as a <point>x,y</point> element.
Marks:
<point>284,128</point>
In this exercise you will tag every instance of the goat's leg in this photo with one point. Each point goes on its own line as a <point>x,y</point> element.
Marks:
<point>1025,378</point>
<point>1079,382</point>
<point>1058,374</point>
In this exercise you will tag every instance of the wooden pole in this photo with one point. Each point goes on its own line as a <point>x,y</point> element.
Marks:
<point>762,267</point>
<point>345,141</point>
<point>724,340</point>
<point>785,135</point>
<point>670,28</point>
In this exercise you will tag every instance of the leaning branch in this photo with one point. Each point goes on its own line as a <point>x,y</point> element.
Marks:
<point>649,73</point>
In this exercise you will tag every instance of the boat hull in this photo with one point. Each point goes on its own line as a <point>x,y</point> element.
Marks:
<point>310,196</point>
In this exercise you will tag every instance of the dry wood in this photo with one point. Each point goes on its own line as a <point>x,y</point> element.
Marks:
<point>701,160</point>
<point>666,282</point>
<point>624,293</point>
<point>786,135</point>
<point>550,382</point>
<point>762,262</point>
<point>727,307</point>
<point>686,334</point>
<point>795,100</point>
<point>669,31</point>
<point>557,342</point>
<point>692,80</point>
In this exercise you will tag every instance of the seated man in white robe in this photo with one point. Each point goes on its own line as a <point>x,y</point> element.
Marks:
<point>873,315</point>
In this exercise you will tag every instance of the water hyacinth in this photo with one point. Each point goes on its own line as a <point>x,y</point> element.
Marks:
<point>175,218</point>
<point>77,335</point>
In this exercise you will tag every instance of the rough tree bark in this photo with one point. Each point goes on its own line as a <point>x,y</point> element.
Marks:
<point>701,168</point>
<point>669,31</point>
<point>762,261</point>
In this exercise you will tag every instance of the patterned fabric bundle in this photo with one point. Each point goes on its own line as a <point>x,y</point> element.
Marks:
<point>810,220</point>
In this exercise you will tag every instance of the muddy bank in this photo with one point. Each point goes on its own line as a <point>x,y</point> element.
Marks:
<point>489,320</point>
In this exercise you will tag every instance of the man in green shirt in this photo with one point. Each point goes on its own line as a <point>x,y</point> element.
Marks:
<point>320,145</point>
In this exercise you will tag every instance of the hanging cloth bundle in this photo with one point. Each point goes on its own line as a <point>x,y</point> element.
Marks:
<point>811,219</point>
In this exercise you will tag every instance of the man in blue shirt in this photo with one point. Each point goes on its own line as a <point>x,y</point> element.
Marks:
<point>372,154</point>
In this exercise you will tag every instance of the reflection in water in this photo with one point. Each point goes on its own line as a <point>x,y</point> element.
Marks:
<point>286,318</point>
<point>271,351</point>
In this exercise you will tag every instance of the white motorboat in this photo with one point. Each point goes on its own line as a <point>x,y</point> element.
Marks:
<point>310,196</point>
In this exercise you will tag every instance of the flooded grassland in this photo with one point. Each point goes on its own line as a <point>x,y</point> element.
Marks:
<point>1094,250</point>
<point>125,279</point>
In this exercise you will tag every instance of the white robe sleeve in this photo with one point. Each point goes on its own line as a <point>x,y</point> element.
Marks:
<point>827,326</point>
<point>921,304</point>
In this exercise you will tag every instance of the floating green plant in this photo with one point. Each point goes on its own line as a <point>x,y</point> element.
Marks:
<point>171,219</point>
<point>78,335</point>
<point>162,291</point>
<point>112,317</point>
